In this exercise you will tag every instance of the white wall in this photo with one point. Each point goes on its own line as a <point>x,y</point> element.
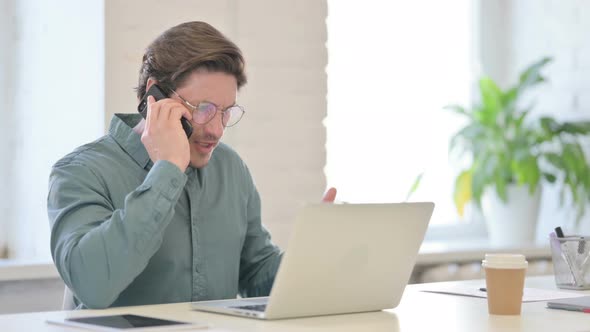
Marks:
<point>57,85</point>
<point>7,74</point>
<point>281,137</point>
<point>559,29</point>
<point>494,39</point>
<point>528,30</point>
<point>57,56</point>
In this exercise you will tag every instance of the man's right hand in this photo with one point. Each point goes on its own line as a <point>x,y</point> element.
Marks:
<point>163,136</point>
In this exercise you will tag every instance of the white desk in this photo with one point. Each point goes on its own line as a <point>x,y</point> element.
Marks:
<point>418,311</point>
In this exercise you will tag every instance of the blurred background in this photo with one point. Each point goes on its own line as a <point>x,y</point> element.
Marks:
<point>341,93</point>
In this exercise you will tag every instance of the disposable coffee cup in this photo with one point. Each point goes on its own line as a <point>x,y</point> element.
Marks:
<point>504,282</point>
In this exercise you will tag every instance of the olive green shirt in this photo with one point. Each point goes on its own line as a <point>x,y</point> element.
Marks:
<point>125,231</point>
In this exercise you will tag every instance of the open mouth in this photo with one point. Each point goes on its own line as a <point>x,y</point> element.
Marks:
<point>205,147</point>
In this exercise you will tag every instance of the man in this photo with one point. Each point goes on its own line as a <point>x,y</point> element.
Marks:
<point>144,215</point>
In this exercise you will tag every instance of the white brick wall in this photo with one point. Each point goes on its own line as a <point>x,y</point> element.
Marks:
<point>558,28</point>
<point>130,26</point>
<point>281,137</point>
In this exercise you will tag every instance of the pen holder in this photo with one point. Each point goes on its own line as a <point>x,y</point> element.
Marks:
<point>571,263</point>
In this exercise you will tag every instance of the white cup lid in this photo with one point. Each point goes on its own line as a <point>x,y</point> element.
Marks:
<point>504,261</point>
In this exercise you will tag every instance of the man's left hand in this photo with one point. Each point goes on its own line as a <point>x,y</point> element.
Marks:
<point>329,196</point>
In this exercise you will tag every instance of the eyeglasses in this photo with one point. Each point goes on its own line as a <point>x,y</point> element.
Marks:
<point>205,111</point>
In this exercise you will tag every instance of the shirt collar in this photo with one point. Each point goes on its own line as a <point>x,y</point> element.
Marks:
<point>121,130</point>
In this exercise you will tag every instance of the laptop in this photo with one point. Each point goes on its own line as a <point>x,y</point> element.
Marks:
<point>341,258</point>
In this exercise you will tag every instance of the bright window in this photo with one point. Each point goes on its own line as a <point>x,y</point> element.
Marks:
<point>392,66</point>
<point>54,84</point>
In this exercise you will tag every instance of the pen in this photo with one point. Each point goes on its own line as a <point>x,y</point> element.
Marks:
<point>584,310</point>
<point>581,245</point>
<point>566,254</point>
<point>558,232</point>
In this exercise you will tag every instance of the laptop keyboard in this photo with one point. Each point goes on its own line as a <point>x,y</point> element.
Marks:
<point>257,307</point>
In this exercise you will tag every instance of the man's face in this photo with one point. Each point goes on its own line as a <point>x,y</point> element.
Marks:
<point>214,87</point>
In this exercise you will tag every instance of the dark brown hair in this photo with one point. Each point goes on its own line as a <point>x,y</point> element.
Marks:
<point>180,50</point>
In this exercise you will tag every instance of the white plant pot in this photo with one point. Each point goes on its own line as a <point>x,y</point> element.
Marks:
<point>514,223</point>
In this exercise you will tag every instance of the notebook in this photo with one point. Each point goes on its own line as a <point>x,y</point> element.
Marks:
<point>575,304</point>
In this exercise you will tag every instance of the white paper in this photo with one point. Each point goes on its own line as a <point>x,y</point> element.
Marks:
<point>529,294</point>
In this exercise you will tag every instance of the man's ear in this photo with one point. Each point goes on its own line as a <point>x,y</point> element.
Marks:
<point>151,81</point>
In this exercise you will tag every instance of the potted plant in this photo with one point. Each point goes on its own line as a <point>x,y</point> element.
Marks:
<point>512,154</point>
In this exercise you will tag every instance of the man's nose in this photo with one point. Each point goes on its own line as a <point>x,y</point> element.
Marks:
<point>215,127</point>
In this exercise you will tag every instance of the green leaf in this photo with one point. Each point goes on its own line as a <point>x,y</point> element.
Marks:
<point>549,130</point>
<point>527,171</point>
<point>462,194</point>
<point>571,160</point>
<point>549,177</point>
<point>466,136</point>
<point>580,158</point>
<point>555,160</point>
<point>457,109</point>
<point>478,185</point>
<point>520,119</point>
<point>485,117</point>
<point>483,170</point>
<point>573,190</point>
<point>509,97</point>
<point>491,97</point>
<point>549,125</point>
<point>534,179</point>
<point>577,128</point>
<point>532,76</point>
<point>414,185</point>
<point>500,182</point>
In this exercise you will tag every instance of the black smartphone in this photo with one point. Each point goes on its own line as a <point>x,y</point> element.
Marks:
<point>158,94</point>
